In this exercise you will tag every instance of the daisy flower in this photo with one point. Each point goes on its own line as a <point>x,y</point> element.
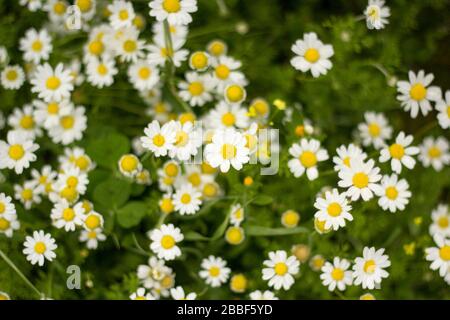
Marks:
<point>56,10</point>
<point>47,114</point>
<point>152,273</point>
<point>394,193</point>
<point>417,93</point>
<point>39,247</point>
<point>72,177</point>
<point>217,48</point>
<point>262,295</point>
<point>12,77</point>
<point>336,275</point>
<point>306,155</point>
<point>159,139</point>
<point>176,12</point>
<point>368,270</point>
<point>237,214</point>
<point>290,218</point>
<point>196,90</point>
<point>36,46</point>
<point>439,255</point>
<point>66,216</point>
<point>9,225</point>
<point>234,235</point>
<point>128,46</point>
<point>92,237</point>
<point>434,152</point>
<point>443,108</point>
<point>178,294</point>
<point>214,271</point>
<point>188,141</point>
<point>225,115</point>
<point>143,75</point>
<point>17,151</point>
<point>234,93</point>
<point>121,14</point>
<point>27,194</point>
<point>71,125</point>
<point>129,165</point>
<point>7,208</point>
<point>333,209</point>
<point>143,177</point>
<point>100,72</point>
<point>176,31</point>
<point>400,153</point>
<point>141,294</point>
<point>376,14</point>
<point>347,153</point>
<point>312,55</point>
<point>164,241</point>
<point>361,179</point>
<point>42,179</point>
<point>227,149</point>
<point>166,203</point>
<point>187,200</point>
<point>226,71</point>
<point>23,120</point>
<point>159,54</point>
<point>317,262</point>
<point>92,220</point>
<point>441,221</point>
<point>375,130</point>
<point>77,157</point>
<point>52,84</point>
<point>87,8</point>
<point>199,61</point>
<point>280,270</point>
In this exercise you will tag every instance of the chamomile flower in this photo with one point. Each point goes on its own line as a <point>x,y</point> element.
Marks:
<point>368,270</point>
<point>39,247</point>
<point>47,114</point>
<point>188,141</point>
<point>72,178</point>
<point>176,31</point>
<point>234,235</point>
<point>23,121</point>
<point>77,157</point>
<point>360,179</point>
<point>159,53</point>
<point>143,75</point>
<point>66,216</point>
<point>128,46</point>
<point>36,46</point>
<point>9,225</point>
<point>376,14</point>
<point>92,220</point>
<point>159,139</point>
<point>56,10</point>
<point>27,194</point>
<point>317,262</point>
<point>12,77</point>
<point>143,177</point>
<point>7,207</point>
<point>214,271</point>
<point>87,8</point>
<point>164,241</point>
<point>71,125</point>
<point>43,178</point>
<point>17,151</point>
<point>400,153</point>
<point>441,221</point>
<point>160,111</point>
<point>394,193</point>
<point>347,153</point>
<point>166,203</point>
<point>178,294</point>
<point>225,116</point>
<point>333,209</point>
<point>234,93</point>
<point>52,84</point>
<point>129,165</point>
<point>100,72</point>
<point>199,61</point>
<point>121,14</point>
<point>336,275</point>
<point>141,294</point>
<point>417,93</point>
<point>443,108</point>
<point>92,237</point>
<point>187,200</point>
<point>262,295</point>
<point>226,71</point>
<point>176,12</point>
<point>196,90</point>
<point>280,270</point>
<point>237,214</point>
<point>217,48</point>
<point>306,155</point>
<point>375,130</point>
<point>439,255</point>
<point>290,218</point>
<point>434,152</point>
<point>312,55</point>
<point>227,149</point>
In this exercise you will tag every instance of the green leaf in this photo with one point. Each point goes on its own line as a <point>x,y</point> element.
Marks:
<point>195,236</point>
<point>257,231</point>
<point>112,193</point>
<point>106,150</point>
<point>131,214</point>
<point>262,200</point>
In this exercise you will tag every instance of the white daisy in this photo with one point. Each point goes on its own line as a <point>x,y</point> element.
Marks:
<point>400,153</point>
<point>36,46</point>
<point>92,220</point>
<point>178,294</point>
<point>9,225</point>
<point>12,77</point>
<point>43,179</point>
<point>176,31</point>
<point>188,141</point>
<point>129,165</point>
<point>176,12</point>
<point>164,241</point>
<point>375,130</point>
<point>71,126</point>
<point>73,178</point>
<point>443,107</point>
<point>237,214</point>
<point>361,179</point>
<point>306,155</point>
<point>196,90</point>
<point>27,194</point>
<point>159,140</point>
<point>368,270</point>
<point>66,216</point>
<point>17,151</point>
<point>128,46</point>
<point>336,275</point>
<point>280,270</point>
<point>143,75</point>
<point>100,72</point>
<point>225,115</point>
<point>77,157</point>
<point>187,200</point>
<point>439,255</point>
<point>376,14</point>
<point>23,121</point>
<point>214,271</point>
<point>56,10</point>
<point>87,8</point>
<point>39,247</point>
<point>333,209</point>
<point>347,153</point>
<point>7,208</point>
<point>141,294</point>
<point>47,114</point>
<point>394,194</point>
<point>227,149</point>
<point>434,152</point>
<point>159,53</point>
<point>441,221</point>
<point>262,295</point>
<point>226,71</point>
<point>312,55</point>
<point>417,93</point>
<point>234,93</point>
<point>52,84</point>
<point>92,237</point>
<point>152,273</point>
<point>121,14</point>
<point>199,61</point>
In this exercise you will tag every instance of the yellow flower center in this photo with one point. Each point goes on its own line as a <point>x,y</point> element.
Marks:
<point>196,88</point>
<point>222,72</point>
<point>228,119</point>
<point>373,12</point>
<point>102,69</point>
<point>67,122</point>
<point>87,206</point>
<point>159,140</point>
<point>228,151</point>
<point>40,247</point>
<point>139,22</point>
<point>16,152</point>
<point>235,93</point>
<point>391,192</point>
<point>68,214</point>
<point>4,224</point>
<point>59,8</point>
<point>369,266</point>
<point>346,161</point>
<point>199,60</point>
<point>84,5</point>
<point>337,274</point>
<point>144,73</point>
<point>12,75</point>
<point>374,130</point>
<point>96,47</point>
<point>281,268</point>
<point>129,163</point>
<point>171,170</point>
<point>52,108</point>
<point>182,138</point>
<point>308,159</point>
<point>68,193</point>
<point>187,117</point>
<point>53,83</point>
<point>444,253</point>
<point>92,235</point>
<point>195,179</point>
<point>82,163</point>
<point>442,222</point>
<point>210,190</point>
<point>397,151</point>
<point>448,111</point>
<point>129,46</point>
<point>291,218</point>
<point>334,209</point>
<point>166,205</point>
<point>312,55</point>
<point>72,182</point>
<point>27,194</point>
<point>418,92</point>
<point>234,235</point>
<point>217,48</point>
<point>238,283</point>
<point>27,122</point>
<point>185,198</point>
<point>123,14</point>
<point>37,46</point>
<point>2,207</point>
<point>434,152</point>
<point>171,6</point>
<point>166,52</point>
<point>214,271</point>
<point>92,222</point>
<point>360,180</point>
<point>167,242</point>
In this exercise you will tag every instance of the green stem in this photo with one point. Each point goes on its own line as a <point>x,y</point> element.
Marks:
<point>21,275</point>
